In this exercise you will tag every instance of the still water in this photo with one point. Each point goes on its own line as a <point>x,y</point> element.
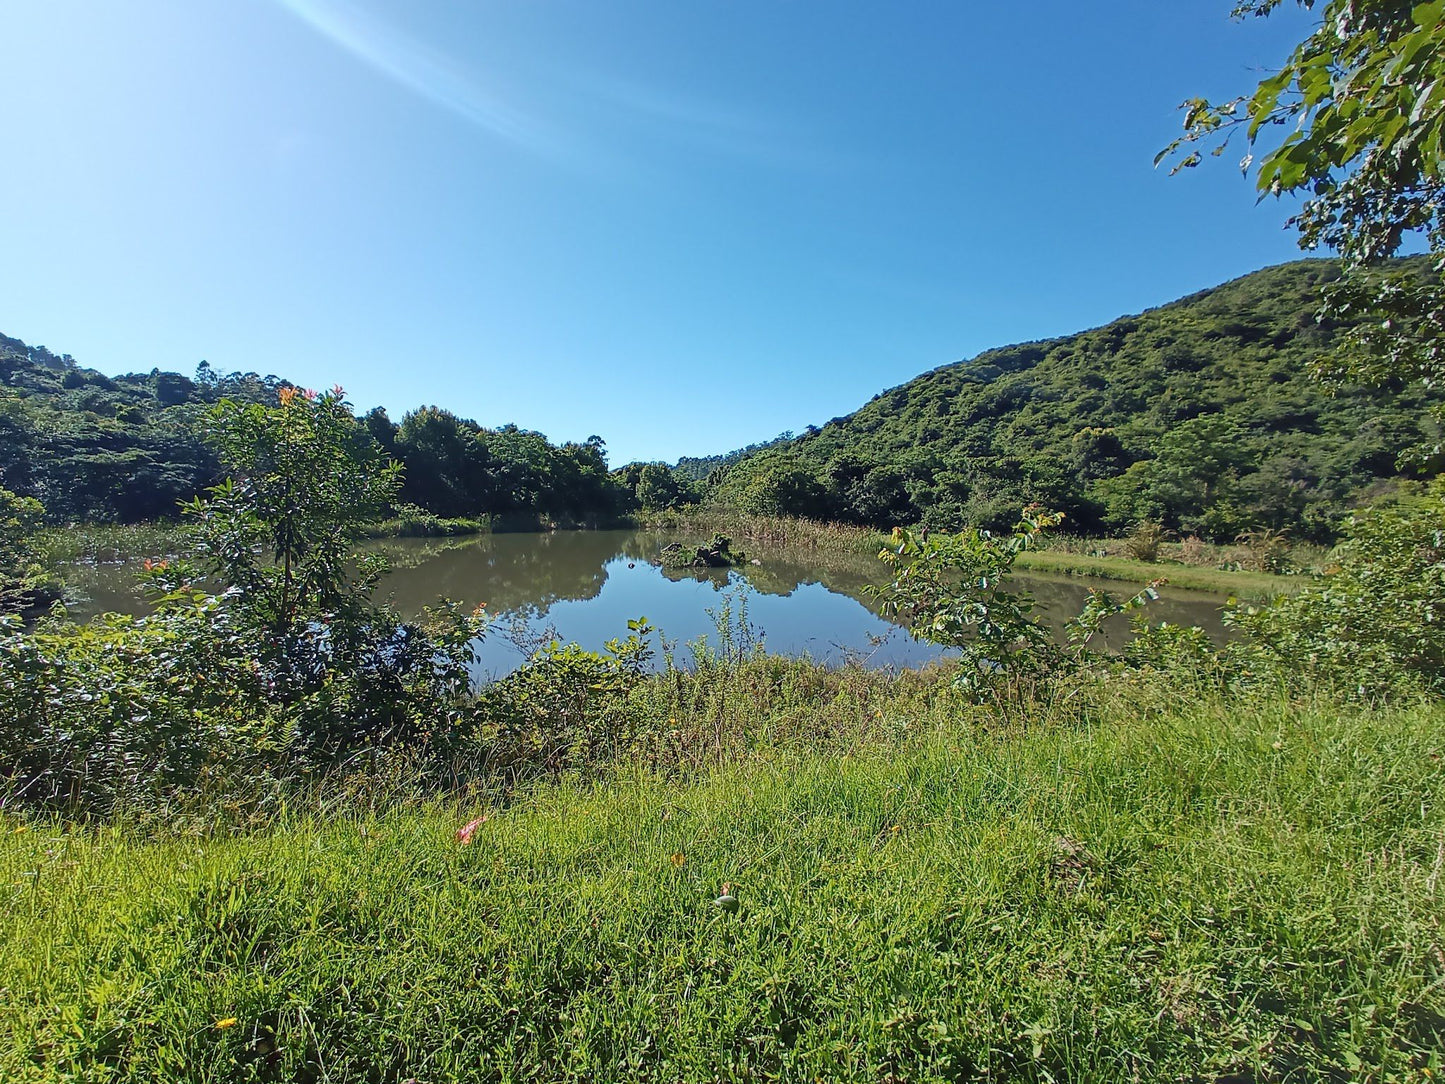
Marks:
<point>584,586</point>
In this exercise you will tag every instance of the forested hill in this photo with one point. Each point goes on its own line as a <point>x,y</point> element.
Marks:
<point>1202,414</point>
<point>96,448</point>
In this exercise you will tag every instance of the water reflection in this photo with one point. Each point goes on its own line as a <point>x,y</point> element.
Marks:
<point>587,584</point>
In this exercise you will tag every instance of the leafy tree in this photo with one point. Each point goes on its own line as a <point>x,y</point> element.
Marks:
<point>1188,483</point>
<point>774,484</point>
<point>305,477</point>
<point>446,467</point>
<point>1355,122</point>
<point>20,572</point>
<point>658,488</point>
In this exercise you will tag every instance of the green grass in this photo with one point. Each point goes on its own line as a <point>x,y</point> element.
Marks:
<point>1063,555</point>
<point>1140,886</point>
<point>1240,584</point>
<point>773,530</point>
<point>110,543</point>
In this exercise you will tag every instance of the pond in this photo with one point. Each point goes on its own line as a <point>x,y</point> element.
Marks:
<point>585,586</point>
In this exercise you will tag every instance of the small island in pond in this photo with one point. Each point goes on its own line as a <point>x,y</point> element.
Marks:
<point>717,553</point>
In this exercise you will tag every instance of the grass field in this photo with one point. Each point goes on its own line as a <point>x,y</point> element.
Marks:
<point>1064,555</point>
<point>1142,884</point>
<point>1240,584</point>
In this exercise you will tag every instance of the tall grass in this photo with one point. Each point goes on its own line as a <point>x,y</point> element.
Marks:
<point>1134,884</point>
<point>773,530</point>
<point>110,543</point>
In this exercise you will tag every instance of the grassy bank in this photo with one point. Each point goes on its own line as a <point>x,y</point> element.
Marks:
<point>113,543</point>
<point>1240,584</point>
<point>1129,888</point>
<point>1096,558</point>
<point>770,530</point>
<point>110,543</point>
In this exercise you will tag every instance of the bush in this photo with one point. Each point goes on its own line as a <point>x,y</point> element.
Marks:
<point>954,590</point>
<point>265,661</point>
<point>23,583</point>
<point>1143,542</point>
<point>1374,626</point>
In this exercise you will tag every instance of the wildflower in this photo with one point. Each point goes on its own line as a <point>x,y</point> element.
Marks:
<point>228,1022</point>
<point>466,831</point>
<point>896,828</point>
<point>678,858</point>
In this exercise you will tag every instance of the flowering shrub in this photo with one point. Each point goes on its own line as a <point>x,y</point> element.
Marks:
<point>265,658</point>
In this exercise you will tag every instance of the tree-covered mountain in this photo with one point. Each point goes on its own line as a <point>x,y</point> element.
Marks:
<point>1203,414</point>
<point>123,449</point>
<point>698,468</point>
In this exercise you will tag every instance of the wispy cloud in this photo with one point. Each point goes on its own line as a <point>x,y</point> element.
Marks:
<point>422,70</point>
<point>569,113</point>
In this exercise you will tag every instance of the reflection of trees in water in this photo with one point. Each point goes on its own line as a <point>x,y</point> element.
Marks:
<point>784,569</point>
<point>511,571</point>
<point>531,572</point>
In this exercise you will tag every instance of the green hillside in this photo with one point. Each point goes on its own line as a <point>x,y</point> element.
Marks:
<point>1203,414</point>
<point>124,449</point>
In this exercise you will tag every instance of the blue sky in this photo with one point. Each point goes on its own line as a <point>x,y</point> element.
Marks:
<point>684,225</point>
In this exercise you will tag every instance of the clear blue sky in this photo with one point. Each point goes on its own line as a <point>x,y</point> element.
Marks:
<point>684,225</point>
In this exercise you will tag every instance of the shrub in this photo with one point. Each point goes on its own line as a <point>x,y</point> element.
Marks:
<point>1377,624</point>
<point>23,583</point>
<point>1268,549</point>
<point>954,590</point>
<point>1143,542</point>
<point>265,660</point>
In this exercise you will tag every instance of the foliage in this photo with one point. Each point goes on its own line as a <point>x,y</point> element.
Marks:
<point>1202,415</point>
<point>1355,122</point>
<point>97,448</point>
<point>264,661</point>
<point>413,521</point>
<point>566,707</point>
<point>658,488</point>
<point>772,485</point>
<point>717,552</point>
<point>277,533</point>
<point>954,590</point>
<point>1143,542</point>
<point>21,576</point>
<point>130,448</point>
<point>701,468</point>
<point>1268,549</point>
<point>1375,625</point>
<point>456,468</point>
